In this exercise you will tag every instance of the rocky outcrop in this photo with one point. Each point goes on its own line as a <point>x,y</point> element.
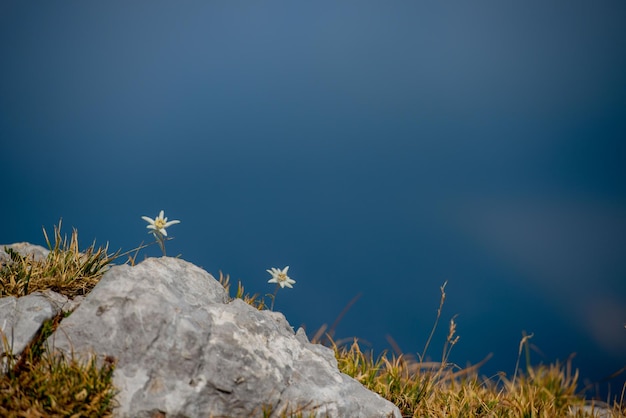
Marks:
<point>184,349</point>
<point>22,318</point>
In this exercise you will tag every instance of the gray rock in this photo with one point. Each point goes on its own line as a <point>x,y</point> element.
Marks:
<point>24,248</point>
<point>183,349</point>
<point>60,302</point>
<point>22,318</point>
<point>595,411</point>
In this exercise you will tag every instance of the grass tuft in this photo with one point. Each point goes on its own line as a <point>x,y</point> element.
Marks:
<point>66,270</point>
<point>40,384</point>
<point>423,389</point>
<point>252,300</point>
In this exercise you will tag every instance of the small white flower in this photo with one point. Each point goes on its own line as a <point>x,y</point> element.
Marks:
<point>281,277</point>
<point>159,224</point>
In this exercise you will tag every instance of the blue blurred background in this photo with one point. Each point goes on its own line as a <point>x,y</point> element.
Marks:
<point>377,148</point>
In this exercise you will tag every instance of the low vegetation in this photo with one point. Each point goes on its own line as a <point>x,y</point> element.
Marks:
<point>65,270</point>
<point>39,384</point>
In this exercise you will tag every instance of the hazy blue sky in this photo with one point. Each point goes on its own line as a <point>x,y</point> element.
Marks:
<point>380,148</point>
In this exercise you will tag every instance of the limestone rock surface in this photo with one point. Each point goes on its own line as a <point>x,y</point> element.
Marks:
<point>184,350</point>
<point>24,248</point>
<point>22,318</point>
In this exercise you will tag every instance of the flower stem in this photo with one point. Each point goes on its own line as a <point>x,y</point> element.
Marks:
<point>274,297</point>
<point>161,241</point>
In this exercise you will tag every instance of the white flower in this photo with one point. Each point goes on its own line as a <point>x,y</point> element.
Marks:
<point>159,224</point>
<point>281,277</point>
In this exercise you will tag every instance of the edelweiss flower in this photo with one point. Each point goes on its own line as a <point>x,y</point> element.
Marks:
<point>159,224</point>
<point>281,277</point>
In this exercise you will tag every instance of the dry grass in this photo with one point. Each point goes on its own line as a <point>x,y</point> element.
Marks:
<point>441,389</point>
<point>66,270</point>
<point>438,390</point>
<point>252,300</point>
<point>40,384</point>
